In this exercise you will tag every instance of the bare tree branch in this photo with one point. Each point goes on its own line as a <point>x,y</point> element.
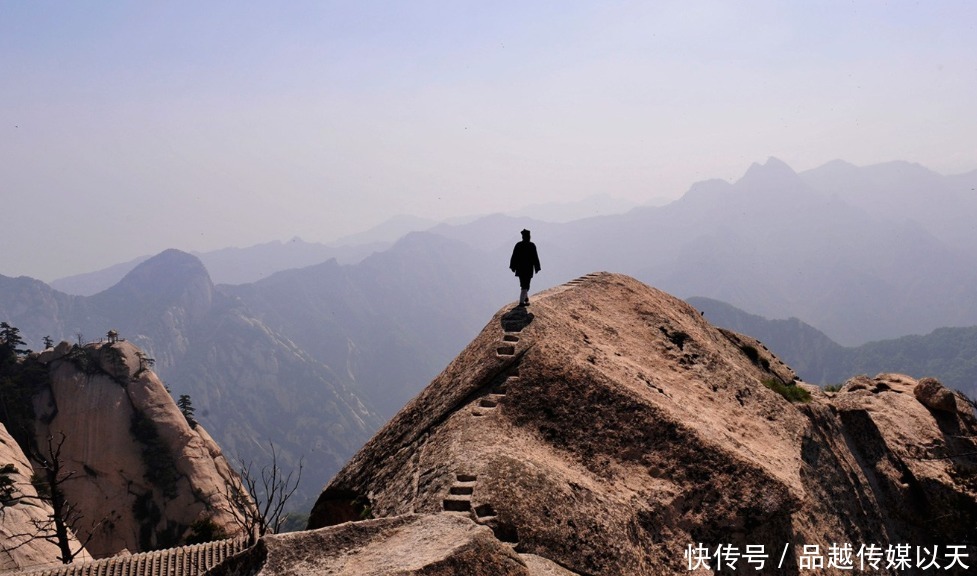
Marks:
<point>64,519</point>
<point>258,497</point>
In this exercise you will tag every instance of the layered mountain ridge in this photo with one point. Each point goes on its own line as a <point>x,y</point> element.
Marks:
<point>291,360</point>
<point>315,359</point>
<point>861,253</point>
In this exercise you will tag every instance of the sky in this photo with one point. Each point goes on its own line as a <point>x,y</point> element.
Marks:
<point>127,128</point>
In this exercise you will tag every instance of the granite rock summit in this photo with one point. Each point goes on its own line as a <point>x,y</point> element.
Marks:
<point>609,427</point>
<point>138,474</point>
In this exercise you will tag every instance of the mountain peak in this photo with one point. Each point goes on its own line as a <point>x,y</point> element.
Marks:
<point>171,278</point>
<point>774,169</point>
<point>590,427</point>
<point>166,269</point>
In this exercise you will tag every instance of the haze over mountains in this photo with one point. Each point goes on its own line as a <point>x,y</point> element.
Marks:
<point>243,265</point>
<point>860,253</point>
<point>946,353</point>
<point>316,355</point>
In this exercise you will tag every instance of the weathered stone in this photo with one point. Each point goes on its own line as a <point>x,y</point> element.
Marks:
<point>619,427</point>
<point>418,545</point>
<point>857,383</point>
<point>62,348</point>
<point>52,354</point>
<point>934,395</point>
<point>539,566</point>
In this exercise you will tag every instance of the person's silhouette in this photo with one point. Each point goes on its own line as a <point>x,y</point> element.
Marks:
<point>524,262</point>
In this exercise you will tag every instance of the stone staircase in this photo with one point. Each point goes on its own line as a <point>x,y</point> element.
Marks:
<point>488,403</point>
<point>184,561</point>
<point>571,283</point>
<point>583,279</point>
<point>459,498</point>
<point>508,346</point>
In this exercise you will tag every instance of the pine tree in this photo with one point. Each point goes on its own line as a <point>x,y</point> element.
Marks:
<point>186,408</point>
<point>10,341</point>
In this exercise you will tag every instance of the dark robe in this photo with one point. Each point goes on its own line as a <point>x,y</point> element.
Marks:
<point>524,261</point>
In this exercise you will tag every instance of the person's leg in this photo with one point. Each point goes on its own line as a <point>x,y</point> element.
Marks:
<point>524,294</point>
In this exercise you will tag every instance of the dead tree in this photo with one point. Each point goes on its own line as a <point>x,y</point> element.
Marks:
<point>257,498</point>
<point>64,519</point>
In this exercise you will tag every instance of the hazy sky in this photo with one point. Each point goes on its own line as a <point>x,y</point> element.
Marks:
<point>130,127</point>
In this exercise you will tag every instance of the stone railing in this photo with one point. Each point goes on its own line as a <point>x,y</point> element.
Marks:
<point>184,561</point>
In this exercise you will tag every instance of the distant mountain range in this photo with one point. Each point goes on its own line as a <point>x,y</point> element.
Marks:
<point>244,265</point>
<point>249,385</point>
<point>861,253</point>
<point>948,354</point>
<point>312,359</point>
<point>314,356</point>
<point>784,244</point>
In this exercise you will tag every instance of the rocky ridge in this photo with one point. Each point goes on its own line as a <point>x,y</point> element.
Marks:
<point>609,427</point>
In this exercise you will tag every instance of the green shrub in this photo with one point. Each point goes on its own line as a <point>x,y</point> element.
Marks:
<point>832,388</point>
<point>791,392</point>
<point>21,378</point>
<point>160,467</point>
<point>41,486</point>
<point>7,487</point>
<point>84,360</point>
<point>205,530</point>
<point>752,353</point>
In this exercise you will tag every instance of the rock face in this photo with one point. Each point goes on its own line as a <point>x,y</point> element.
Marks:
<point>21,516</point>
<point>608,427</point>
<point>142,475</point>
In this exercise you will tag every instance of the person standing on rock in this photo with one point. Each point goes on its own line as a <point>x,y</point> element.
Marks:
<point>524,262</point>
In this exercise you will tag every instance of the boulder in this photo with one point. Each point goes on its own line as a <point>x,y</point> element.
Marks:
<point>51,354</point>
<point>934,395</point>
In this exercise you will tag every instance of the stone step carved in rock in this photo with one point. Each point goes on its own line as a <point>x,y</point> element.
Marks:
<point>457,503</point>
<point>490,401</point>
<point>484,513</point>
<point>459,497</point>
<point>462,489</point>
